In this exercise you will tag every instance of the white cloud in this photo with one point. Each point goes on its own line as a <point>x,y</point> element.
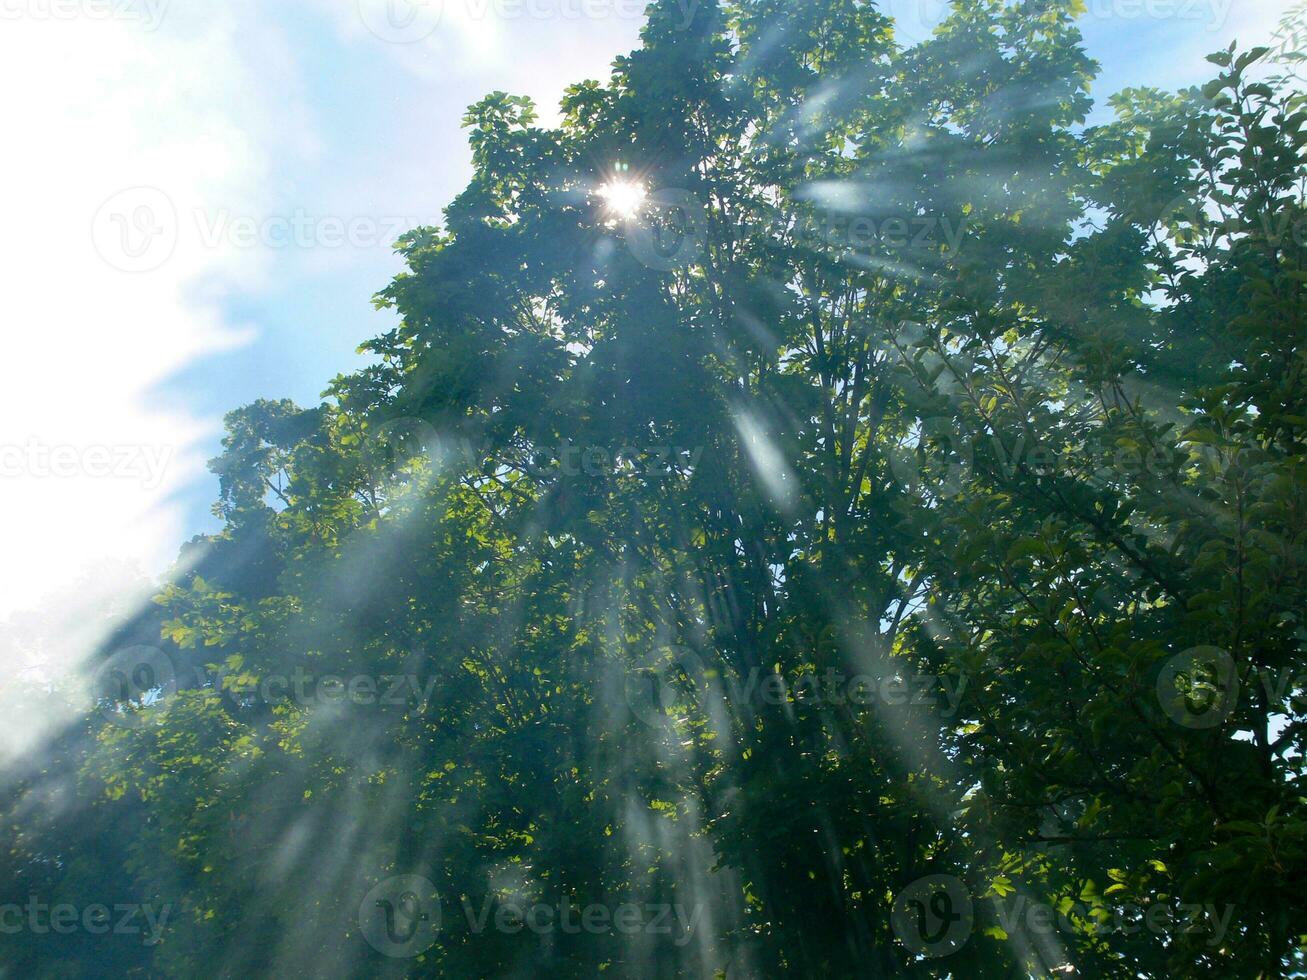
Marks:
<point>112,129</point>
<point>528,47</point>
<point>139,150</point>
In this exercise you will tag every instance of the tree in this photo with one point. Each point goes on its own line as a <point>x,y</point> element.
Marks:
<point>810,491</point>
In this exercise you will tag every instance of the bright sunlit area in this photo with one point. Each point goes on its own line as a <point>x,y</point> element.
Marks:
<point>716,489</point>
<point>623,197</point>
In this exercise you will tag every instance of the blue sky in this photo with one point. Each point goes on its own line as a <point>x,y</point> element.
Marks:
<point>269,153</point>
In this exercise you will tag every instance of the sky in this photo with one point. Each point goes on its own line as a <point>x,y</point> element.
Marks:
<point>200,201</point>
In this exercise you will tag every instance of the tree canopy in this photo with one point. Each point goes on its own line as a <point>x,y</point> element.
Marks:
<point>822,497</point>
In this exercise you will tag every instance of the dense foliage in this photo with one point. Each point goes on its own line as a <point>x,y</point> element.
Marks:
<point>910,487</point>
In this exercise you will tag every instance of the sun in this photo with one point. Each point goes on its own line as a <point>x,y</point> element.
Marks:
<point>623,197</point>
